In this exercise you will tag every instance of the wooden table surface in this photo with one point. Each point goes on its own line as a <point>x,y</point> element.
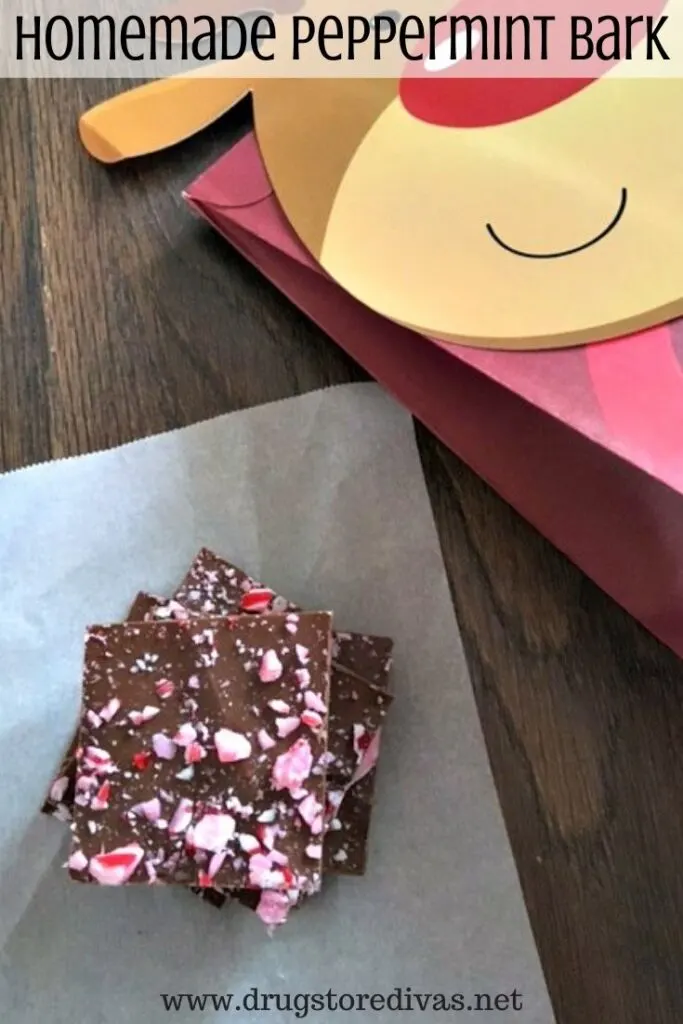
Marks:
<point>121,316</point>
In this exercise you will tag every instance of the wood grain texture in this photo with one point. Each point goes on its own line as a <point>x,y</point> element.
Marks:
<point>121,316</point>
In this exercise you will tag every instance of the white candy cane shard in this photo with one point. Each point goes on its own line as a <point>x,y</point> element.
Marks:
<point>231,746</point>
<point>182,816</point>
<point>270,669</point>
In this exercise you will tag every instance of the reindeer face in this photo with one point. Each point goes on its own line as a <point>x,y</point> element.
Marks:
<point>494,213</point>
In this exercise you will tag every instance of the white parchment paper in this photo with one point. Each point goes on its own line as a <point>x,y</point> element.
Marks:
<point>323,498</point>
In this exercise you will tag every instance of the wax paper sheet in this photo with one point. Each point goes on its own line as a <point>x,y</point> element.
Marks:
<point>323,496</point>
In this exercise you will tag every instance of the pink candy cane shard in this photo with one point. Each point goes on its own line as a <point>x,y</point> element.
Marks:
<point>117,866</point>
<point>164,688</point>
<point>185,735</point>
<point>97,760</point>
<point>292,768</point>
<point>312,720</point>
<point>231,746</point>
<point>271,667</point>
<point>261,873</point>
<point>273,907</point>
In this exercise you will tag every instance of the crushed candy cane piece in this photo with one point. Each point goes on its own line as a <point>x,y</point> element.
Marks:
<point>182,816</point>
<point>149,809</point>
<point>163,746</point>
<point>96,759</point>
<point>164,688</point>
<point>59,788</point>
<point>186,774</point>
<point>286,726</point>
<point>268,816</point>
<point>216,863</point>
<point>146,715</point>
<point>213,832</point>
<point>266,835</point>
<point>303,677</point>
<point>312,720</point>
<point>248,843</point>
<point>312,813</point>
<point>110,709</point>
<point>265,741</point>
<point>314,851</point>
<point>271,667</point>
<point>302,653</point>
<point>194,752</point>
<point>100,801</point>
<point>292,768</point>
<point>281,706</point>
<point>141,760</point>
<point>185,735</point>
<point>93,719</point>
<point>314,702</point>
<point>261,873</point>
<point>273,908</point>
<point>368,758</point>
<point>117,866</point>
<point>256,600</point>
<point>231,746</point>
<point>340,856</point>
<point>77,861</point>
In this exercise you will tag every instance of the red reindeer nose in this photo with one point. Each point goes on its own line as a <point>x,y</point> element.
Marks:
<point>445,91</point>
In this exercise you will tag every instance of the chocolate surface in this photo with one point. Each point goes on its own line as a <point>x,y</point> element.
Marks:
<point>60,797</point>
<point>208,749</point>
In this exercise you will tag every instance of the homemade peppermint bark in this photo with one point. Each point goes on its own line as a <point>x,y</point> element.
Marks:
<point>215,586</point>
<point>201,754</point>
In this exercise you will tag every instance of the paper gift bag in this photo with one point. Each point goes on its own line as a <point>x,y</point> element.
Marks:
<point>586,443</point>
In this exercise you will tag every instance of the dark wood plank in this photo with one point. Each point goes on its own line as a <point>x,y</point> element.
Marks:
<point>583,718</point>
<point>153,322</point>
<point>24,356</point>
<point>120,316</point>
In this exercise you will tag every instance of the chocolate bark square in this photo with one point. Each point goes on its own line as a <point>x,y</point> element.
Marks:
<point>198,763</point>
<point>214,586</point>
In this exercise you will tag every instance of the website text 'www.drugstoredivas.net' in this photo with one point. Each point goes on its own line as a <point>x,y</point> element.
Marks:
<point>303,1005</point>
